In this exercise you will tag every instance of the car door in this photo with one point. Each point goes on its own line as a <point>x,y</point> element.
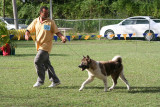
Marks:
<point>126,26</point>
<point>141,26</point>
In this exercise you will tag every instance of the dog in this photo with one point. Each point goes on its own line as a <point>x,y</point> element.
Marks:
<point>102,69</point>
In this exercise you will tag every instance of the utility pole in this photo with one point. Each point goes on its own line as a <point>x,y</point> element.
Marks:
<point>51,10</point>
<point>3,8</point>
<point>15,13</point>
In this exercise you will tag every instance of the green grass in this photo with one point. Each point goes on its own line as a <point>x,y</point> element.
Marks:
<point>141,61</point>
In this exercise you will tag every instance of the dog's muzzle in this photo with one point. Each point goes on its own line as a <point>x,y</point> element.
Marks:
<point>80,66</point>
<point>83,67</point>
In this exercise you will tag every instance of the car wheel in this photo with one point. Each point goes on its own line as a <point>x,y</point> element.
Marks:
<point>110,34</point>
<point>149,35</point>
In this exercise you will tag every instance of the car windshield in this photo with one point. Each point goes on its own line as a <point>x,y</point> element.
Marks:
<point>156,20</point>
<point>10,21</point>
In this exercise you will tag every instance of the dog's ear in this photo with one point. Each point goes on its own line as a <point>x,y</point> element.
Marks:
<point>88,57</point>
<point>84,56</point>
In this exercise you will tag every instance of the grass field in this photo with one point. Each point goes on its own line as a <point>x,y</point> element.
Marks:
<point>141,61</point>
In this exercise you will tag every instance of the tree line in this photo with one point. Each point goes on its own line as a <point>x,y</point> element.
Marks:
<point>84,9</point>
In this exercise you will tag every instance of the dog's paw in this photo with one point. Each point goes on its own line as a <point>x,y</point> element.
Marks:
<point>80,89</point>
<point>110,89</point>
<point>128,88</point>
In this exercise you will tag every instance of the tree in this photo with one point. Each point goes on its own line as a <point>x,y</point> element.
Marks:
<point>82,9</point>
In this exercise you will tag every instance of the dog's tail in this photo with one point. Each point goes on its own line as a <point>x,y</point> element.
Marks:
<point>117,59</point>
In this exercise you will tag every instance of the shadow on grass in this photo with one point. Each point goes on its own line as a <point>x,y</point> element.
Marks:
<point>133,90</point>
<point>25,55</point>
<point>62,87</point>
<point>137,89</point>
<point>77,87</point>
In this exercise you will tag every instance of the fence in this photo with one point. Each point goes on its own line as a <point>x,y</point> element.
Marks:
<point>85,26</point>
<point>128,27</point>
<point>80,25</point>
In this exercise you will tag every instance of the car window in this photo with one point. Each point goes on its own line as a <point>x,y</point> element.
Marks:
<point>156,20</point>
<point>129,22</point>
<point>142,21</point>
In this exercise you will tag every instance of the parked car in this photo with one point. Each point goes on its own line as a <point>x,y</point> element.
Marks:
<point>140,26</point>
<point>10,23</point>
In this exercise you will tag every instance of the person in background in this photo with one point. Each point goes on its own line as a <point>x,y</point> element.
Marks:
<point>44,28</point>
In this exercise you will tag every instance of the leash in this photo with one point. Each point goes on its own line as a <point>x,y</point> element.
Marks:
<point>73,51</point>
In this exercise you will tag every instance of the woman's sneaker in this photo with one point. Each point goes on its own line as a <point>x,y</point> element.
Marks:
<point>54,84</point>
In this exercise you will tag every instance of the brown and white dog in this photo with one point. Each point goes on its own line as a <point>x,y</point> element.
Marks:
<point>102,69</point>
